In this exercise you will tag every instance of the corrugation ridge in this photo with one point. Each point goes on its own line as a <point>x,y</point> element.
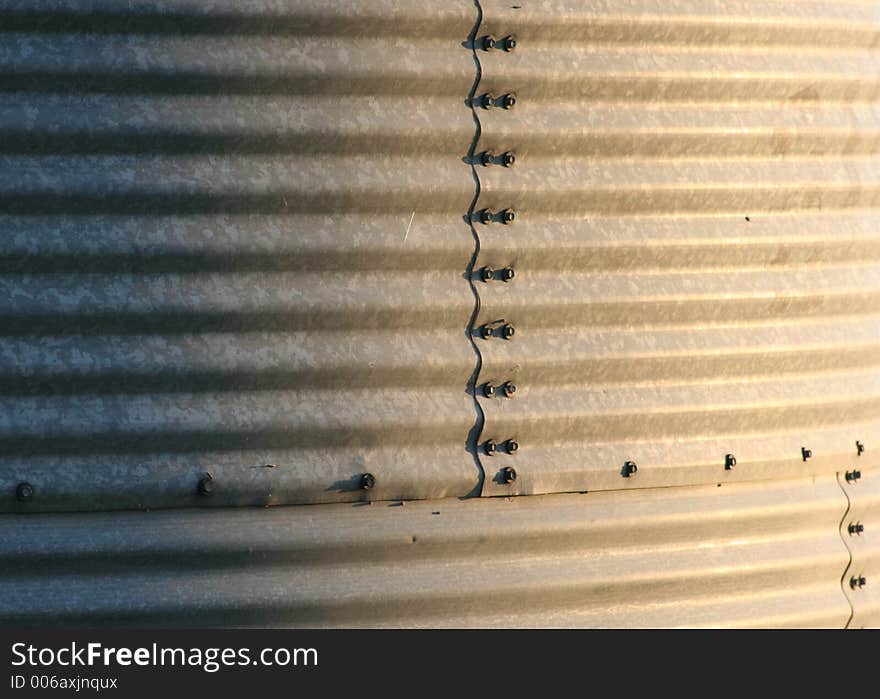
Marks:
<point>848,551</point>
<point>477,429</point>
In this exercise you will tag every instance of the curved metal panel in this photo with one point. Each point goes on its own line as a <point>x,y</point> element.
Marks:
<point>234,246</point>
<point>740,555</point>
<point>696,251</point>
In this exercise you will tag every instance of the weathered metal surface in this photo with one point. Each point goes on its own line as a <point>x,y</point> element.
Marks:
<point>739,555</point>
<point>233,244</point>
<point>697,189</point>
<point>859,532</point>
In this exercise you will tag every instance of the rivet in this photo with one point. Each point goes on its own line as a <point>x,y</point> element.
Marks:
<point>508,475</point>
<point>486,274</point>
<point>487,101</point>
<point>859,448</point>
<point>855,528</point>
<point>507,331</point>
<point>512,446</point>
<point>486,216</point>
<point>729,461</point>
<point>857,582</point>
<point>508,389</point>
<point>490,447</point>
<point>486,158</point>
<point>508,159</point>
<point>488,42</point>
<point>508,101</point>
<point>24,492</point>
<point>806,453</point>
<point>853,476</point>
<point>629,469</point>
<point>486,332</point>
<point>206,485</point>
<point>368,480</point>
<point>488,390</point>
<point>507,274</point>
<point>508,43</point>
<point>507,216</point>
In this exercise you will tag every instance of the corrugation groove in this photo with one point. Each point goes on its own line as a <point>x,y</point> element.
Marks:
<point>233,245</point>
<point>695,245</point>
<point>743,555</point>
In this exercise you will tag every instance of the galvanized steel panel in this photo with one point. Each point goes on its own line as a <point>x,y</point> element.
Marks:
<point>696,191</point>
<point>739,555</point>
<point>233,245</point>
<point>858,531</point>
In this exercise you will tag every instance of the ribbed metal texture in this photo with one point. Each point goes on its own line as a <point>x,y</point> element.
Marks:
<point>696,243</point>
<point>233,244</point>
<point>739,555</point>
<point>859,531</point>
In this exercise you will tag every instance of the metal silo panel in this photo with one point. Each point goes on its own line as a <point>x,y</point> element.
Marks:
<point>233,247</point>
<point>697,268</point>
<point>740,555</point>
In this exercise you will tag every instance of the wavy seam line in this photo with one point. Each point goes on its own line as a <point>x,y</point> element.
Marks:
<point>477,429</point>
<point>852,610</point>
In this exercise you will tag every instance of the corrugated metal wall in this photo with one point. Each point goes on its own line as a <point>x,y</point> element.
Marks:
<point>244,244</point>
<point>696,243</point>
<point>233,238</point>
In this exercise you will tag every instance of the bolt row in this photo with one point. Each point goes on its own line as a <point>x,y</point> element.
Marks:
<point>489,42</point>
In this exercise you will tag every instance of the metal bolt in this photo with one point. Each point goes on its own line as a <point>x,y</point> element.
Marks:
<point>630,469</point>
<point>729,461</point>
<point>507,331</point>
<point>508,43</point>
<point>508,389</point>
<point>806,453</point>
<point>853,476</point>
<point>490,447</point>
<point>487,101</point>
<point>486,158</point>
<point>486,332</point>
<point>857,582</point>
<point>368,480</point>
<point>859,448</point>
<point>855,528</point>
<point>487,274</point>
<point>507,216</point>
<point>488,42</point>
<point>508,159</point>
<point>485,216</point>
<point>508,101</point>
<point>206,486</point>
<point>508,475</point>
<point>512,446</point>
<point>488,390</point>
<point>24,492</point>
<point>507,274</point>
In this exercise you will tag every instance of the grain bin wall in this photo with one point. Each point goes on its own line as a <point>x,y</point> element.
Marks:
<point>263,244</point>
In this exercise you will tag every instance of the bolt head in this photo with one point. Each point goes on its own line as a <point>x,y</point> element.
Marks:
<point>488,42</point>
<point>806,453</point>
<point>512,446</point>
<point>507,216</point>
<point>486,332</point>
<point>490,447</point>
<point>508,101</point>
<point>857,581</point>
<point>729,461</point>
<point>485,217</point>
<point>507,274</point>
<point>508,43</point>
<point>856,528</point>
<point>206,486</point>
<point>508,332</point>
<point>508,389</point>
<point>508,475</point>
<point>368,480</point>
<point>853,475</point>
<point>486,274</point>
<point>629,469</point>
<point>508,159</point>
<point>488,390</point>
<point>488,100</point>
<point>24,492</point>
